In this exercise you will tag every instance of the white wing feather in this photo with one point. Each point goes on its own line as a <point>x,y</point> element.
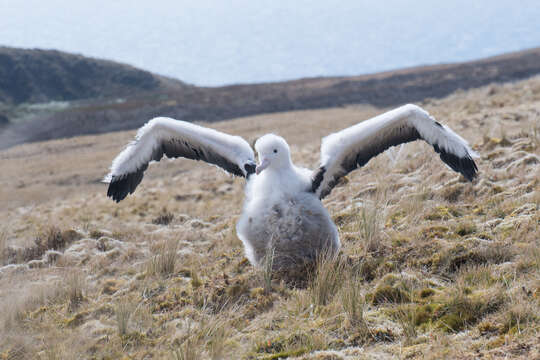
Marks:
<point>352,147</point>
<point>175,138</point>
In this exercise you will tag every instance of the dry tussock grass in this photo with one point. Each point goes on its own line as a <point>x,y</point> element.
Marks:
<point>164,262</point>
<point>3,248</point>
<point>431,266</point>
<point>327,279</point>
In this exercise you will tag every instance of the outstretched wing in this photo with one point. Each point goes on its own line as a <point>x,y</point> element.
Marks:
<point>344,151</point>
<point>175,138</point>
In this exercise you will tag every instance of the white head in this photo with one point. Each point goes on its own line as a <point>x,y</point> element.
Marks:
<point>273,152</point>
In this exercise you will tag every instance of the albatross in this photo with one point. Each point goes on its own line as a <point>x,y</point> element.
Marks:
<point>283,213</point>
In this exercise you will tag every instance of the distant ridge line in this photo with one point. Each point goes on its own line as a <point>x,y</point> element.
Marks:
<point>192,103</point>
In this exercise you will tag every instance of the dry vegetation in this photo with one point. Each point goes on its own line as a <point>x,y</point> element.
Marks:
<point>432,266</point>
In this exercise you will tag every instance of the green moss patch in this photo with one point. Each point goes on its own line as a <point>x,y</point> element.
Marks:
<point>461,311</point>
<point>389,294</point>
<point>436,231</point>
<point>465,228</point>
<point>426,293</point>
<point>453,259</point>
<point>279,348</point>
<point>443,213</point>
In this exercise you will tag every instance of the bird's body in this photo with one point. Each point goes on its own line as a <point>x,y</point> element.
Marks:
<point>283,215</point>
<point>284,219</point>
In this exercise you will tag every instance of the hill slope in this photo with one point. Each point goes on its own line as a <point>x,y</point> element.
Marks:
<point>33,75</point>
<point>194,103</point>
<point>436,267</point>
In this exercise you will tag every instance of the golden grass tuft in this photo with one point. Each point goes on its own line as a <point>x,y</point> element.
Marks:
<point>328,277</point>
<point>75,288</point>
<point>164,262</point>
<point>267,270</point>
<point>407,318</point>
<point>369,227</point>
<point>123,312</point>
<point>208,336</point>
<point>189,349</point>
<point>3,247</point>
<point>519,317</point>
<point>354,305</point>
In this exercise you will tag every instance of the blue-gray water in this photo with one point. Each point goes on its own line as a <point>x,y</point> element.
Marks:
<point>215,42</point>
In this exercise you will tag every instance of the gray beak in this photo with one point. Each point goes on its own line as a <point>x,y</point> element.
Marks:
<point>263,165</point>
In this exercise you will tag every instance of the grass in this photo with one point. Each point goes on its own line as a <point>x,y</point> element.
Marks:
<point>368,227</point>
<point>123,313</point>
<point>461,308</point>
<point>164,262</point>
<point>164,218</point>
<point>208,337</point>
<point>75,284</point>
<point>477,275</point>
<point>214,333</point>
<point>187,350</point>
<point>267,270</point>
<point>354,305</point>
<point>518,318</point>
<point>50,237</point>
<point>430,266</point>
<point>3,248</point>
<point>327,279</point>
<point>407,318</point>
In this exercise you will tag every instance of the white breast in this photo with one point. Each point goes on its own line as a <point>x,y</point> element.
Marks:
<point>270,186</point>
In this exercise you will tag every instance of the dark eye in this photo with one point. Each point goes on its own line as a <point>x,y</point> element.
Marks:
<point>275,151</point>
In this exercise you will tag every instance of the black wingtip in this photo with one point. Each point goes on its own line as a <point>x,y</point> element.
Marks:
<point>121,186</point>
<point>463,165</point>
<point>467,167</point>
<point>117,189</point>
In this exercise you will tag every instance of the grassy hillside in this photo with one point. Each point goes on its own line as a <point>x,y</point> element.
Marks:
<point>432,266</point>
